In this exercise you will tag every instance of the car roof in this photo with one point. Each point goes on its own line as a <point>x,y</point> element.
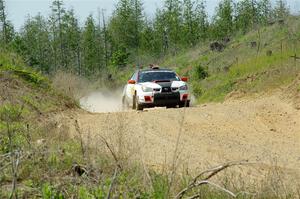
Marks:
<point>156,70</point>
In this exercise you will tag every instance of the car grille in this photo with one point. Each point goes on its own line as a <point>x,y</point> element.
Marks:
<point>167,98</point>
<point>166,90</point>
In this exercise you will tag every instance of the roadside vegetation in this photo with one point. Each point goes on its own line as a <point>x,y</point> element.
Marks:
<point>247,47</point>
<point>111,47</point>
<point>42,157</point>
<point>261,61</point>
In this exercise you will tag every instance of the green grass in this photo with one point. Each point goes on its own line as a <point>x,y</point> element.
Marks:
<point>240,67</point>
<point>13,64</point>
<point>30,88</point>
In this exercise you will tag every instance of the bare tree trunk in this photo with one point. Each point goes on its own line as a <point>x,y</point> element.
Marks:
<point>60,35</point>
<point>137,40</point>
<point>3,19</point>
<point>78,61</point>
<point>105,39</point>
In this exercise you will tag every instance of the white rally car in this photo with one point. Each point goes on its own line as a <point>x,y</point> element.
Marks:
<point>156,87</point>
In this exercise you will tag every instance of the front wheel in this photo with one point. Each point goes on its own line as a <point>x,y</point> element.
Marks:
<point>136,105</point>
<point>184,104</point>
<point>171,106</point>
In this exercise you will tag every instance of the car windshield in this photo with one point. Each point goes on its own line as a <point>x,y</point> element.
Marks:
<point>150,76</point>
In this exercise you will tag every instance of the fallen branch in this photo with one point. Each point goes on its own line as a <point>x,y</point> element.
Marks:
<point>112,152</point>
<point>295,57</point>
<point>80,137</point>
<point>199,180</point>
<point>205,182</point>
<point>112,183</point>
<point>5,155</point>
<point>147,174</point>
<point>216,170</point>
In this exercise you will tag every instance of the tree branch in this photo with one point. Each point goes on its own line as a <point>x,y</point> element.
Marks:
<point>211,173</point>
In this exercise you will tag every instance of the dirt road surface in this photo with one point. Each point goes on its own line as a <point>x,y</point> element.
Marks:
<point>264,130</point>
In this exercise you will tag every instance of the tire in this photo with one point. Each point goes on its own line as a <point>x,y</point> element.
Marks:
<point>125,104</point>
<point>172,106</point>
<point>136,105</point>
<point>184,104</point>
<point>134,102</point>
<point>187,104</point>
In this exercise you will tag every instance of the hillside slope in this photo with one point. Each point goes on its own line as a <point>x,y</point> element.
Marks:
<point>258,62</point>
<point>30,136</point>
<point>20,85</point>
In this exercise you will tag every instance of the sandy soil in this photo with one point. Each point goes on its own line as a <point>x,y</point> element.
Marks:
<point>264,130</point>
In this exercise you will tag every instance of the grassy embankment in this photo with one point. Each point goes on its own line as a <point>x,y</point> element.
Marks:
<point>242,68</point>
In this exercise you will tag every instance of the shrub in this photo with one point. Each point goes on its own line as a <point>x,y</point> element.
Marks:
<point>48,192</point>
<point>120,58</point>
<point>199,73</point>
<point>197,90</point>
<point>11,128</point>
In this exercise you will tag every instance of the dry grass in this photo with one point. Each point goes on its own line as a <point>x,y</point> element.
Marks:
<point>71,85</point>
<point>107,168</point>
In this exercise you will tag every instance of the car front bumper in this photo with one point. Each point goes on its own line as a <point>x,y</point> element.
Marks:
<point>163,99</point>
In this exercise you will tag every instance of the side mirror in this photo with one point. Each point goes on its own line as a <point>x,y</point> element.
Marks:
<point>184,79</point>
<point>131,81</point>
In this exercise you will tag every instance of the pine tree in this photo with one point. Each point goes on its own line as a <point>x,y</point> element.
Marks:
<point>138,20</point>
<point>281,9</point>
<point>71,42</point>
<point>265,11</point>
<point>126,23</point>
<point>195,22</point>
<point>89,39</point>
<point>37,48</point>
<point>105,38</point>
<point>57,33</point>
<point>173,25</point>
<point>247,15</point>
<point>189,22</point>
<point>202,19</point>
<point>149,41</point>
<point>124,30</point>
<point>223,20</point>
<point>7,29</point>
<point>3,21</point>
<point>161,36</point>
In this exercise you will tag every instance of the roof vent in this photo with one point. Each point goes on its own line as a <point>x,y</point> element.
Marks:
<point>152,66</point>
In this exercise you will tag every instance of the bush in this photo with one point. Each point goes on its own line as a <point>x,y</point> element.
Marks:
<point>120,58</point>
<point>11,128</point>
<point>199,73</point>
<point>197,90</point>
<point>48,192</point>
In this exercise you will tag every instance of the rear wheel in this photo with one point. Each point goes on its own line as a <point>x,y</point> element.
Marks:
<point>125,104</point>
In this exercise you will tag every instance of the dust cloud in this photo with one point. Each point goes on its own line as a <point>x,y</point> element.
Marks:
<point>102,101</point>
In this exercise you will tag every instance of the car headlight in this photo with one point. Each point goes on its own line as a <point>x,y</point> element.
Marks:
<point>183,88</point>
<point>147,89</point>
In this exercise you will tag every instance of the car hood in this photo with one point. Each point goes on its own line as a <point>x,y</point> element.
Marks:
<point>173,84</point>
